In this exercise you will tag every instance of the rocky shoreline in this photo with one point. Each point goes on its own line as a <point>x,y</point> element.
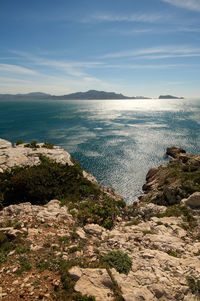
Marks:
<point>53,257</point>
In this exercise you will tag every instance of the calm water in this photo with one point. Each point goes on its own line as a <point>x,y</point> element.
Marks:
<point>115,140</point>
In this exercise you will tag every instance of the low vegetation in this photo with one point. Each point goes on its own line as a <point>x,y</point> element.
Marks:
<point>49,180</point>
<point>118,260</point>
<point>48,145</point>
<point>175,182</point>
<point>32,144</point>
<point>194,285</point>
<point>188,215</point>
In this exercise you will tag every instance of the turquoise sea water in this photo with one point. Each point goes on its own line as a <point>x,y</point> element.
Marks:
<point>115,140</point>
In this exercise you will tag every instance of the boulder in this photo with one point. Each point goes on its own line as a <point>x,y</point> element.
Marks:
<point>175,151</point>
<point>94,229</point>
<point>193,201</point>
<point>93,282</point>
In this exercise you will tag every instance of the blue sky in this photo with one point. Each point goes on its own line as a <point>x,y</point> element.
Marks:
<point>134,47</point>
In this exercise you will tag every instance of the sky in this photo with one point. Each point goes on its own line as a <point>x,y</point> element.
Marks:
<point>134,47</point>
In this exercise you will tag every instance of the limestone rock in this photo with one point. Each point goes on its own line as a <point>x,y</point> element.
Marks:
<point>11,232</point>
<point>26,156</point>
<point>5,144</point>
<point>131,290</point>
<point>94,229</point>
<point>175,151</point>
<point>75,272</point>
<point>193,201</point>
<point>93,282</point>
<point>150,208</point>
<point>81,233</point>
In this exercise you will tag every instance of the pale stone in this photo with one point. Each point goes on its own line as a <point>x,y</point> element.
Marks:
<point>94,229</point>
<point>193,201</point>
<point>81,233</point>
<point>15,282</point>
<point>95,282</point>
<point>75,272</point>
<point>10,231</point>
<point>5,144</point>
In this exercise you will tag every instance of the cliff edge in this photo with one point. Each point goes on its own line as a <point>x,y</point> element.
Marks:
<point>58,251</point>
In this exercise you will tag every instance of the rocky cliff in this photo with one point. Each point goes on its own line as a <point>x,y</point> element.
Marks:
<point>152,251</point>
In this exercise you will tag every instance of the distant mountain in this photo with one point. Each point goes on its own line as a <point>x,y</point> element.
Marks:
<point>91,94</point>
<point>29,96</point>
<point>169,97</point>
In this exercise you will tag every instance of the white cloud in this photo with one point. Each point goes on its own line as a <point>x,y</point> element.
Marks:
<point>16,69</point>
<point>144,66</point>
<point>73,68</point>
<point>144,18</point>
<point>188,4</point>
<point>161,52</point>
<point>134,31</point>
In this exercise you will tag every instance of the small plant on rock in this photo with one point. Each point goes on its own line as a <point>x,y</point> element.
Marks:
<point>33,144</point>
<point>118,260</point>
<point>194,286</point>
<point>48,145</point>
<point>18,142</point>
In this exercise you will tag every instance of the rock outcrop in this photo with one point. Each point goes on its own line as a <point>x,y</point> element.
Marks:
<point>21,155</point>
<point>169,184</point>
<point>45,254</point>
<point>193,201</point>
<point>163,253</point>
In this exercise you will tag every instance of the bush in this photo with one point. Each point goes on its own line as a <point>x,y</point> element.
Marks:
<point>50,180</point>
<point>80,297</point>
<point>33,144</point>
<point>39,184</point>
<point>180,210</point>
<point>18,142</point>
<point>194,285</point>
<point>25,265</point>
<point>48,145</point>
<point>118,260</point>
<point>103,212</point>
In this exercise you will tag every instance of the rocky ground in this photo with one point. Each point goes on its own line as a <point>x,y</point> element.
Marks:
<point>47,255</point>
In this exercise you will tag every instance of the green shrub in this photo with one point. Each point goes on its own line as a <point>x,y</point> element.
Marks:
<point>6,245</point>
<point>179,210</point>
<point>194,285</point>
<point>32,144</point>
<point>103,212</point>
<point>133,222</point>
<point>172,253</point>
<point>48,145</point>
<point>80,297</point>
<point>18,142</point>
<point>118,260</point>
<point>25,265</point>
<point>39,184</point>
<point>50,180</point>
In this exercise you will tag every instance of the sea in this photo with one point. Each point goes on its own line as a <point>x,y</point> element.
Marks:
<point>117,141</point>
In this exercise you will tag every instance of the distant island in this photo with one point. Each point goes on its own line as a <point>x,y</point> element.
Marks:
<point>91,94</point>
<point>169,97</point>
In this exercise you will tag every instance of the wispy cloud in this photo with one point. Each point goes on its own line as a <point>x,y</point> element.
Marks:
<point>157,52</point>
<point>145,66</point>
<point>134,31</point>
<point>16,69</point>
<point>73,68</point>
<point>188,4</point>
<point>140,17</point>
<point>53,76</point>
<point>155,31</point>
